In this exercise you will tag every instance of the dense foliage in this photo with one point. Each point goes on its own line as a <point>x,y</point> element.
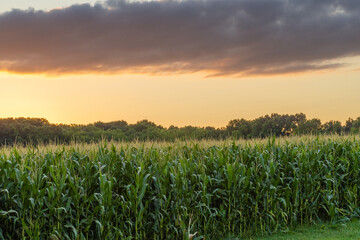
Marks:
<point>124,192</point>
<point>35,130</point>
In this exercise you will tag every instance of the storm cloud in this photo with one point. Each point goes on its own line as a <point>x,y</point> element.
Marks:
<point>221,37</point>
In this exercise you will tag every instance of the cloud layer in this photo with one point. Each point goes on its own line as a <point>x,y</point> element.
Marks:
<point>223,37</point>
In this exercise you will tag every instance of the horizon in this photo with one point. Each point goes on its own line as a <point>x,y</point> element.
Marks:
<point>198,63</point>
<point>180,126</point>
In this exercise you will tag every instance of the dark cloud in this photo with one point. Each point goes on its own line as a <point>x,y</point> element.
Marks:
<point>234,37</point>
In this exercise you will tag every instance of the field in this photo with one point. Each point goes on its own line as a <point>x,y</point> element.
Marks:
<point>231,189</point>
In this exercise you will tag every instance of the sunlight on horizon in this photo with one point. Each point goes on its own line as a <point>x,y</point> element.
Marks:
<point>187,99</point>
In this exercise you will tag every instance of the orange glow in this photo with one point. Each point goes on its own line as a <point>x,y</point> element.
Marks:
<point>187,99</point>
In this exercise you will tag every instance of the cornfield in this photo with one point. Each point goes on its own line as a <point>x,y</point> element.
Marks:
<point>118,191</point>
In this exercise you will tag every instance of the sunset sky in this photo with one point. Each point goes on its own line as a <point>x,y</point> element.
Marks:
<point>191,62</point>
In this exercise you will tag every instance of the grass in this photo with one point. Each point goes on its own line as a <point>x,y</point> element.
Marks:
<point>348,231</point>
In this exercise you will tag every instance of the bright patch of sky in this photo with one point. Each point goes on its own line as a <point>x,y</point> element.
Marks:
<point>6,6</point>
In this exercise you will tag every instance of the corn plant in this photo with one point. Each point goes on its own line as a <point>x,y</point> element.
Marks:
<point>173,191</point>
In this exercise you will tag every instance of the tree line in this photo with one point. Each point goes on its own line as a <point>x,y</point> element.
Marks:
<point>40,130</point>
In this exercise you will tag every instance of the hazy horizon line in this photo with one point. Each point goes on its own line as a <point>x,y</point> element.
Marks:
<point>179,126</point>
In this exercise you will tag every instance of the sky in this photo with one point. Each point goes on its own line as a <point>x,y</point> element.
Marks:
<point>190,62</point>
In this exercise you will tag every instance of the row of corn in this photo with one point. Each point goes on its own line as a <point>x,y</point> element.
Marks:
<point>171,192</point>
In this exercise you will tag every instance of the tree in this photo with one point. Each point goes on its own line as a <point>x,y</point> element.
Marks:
<point>311,126</point>
<point>332,127</point>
